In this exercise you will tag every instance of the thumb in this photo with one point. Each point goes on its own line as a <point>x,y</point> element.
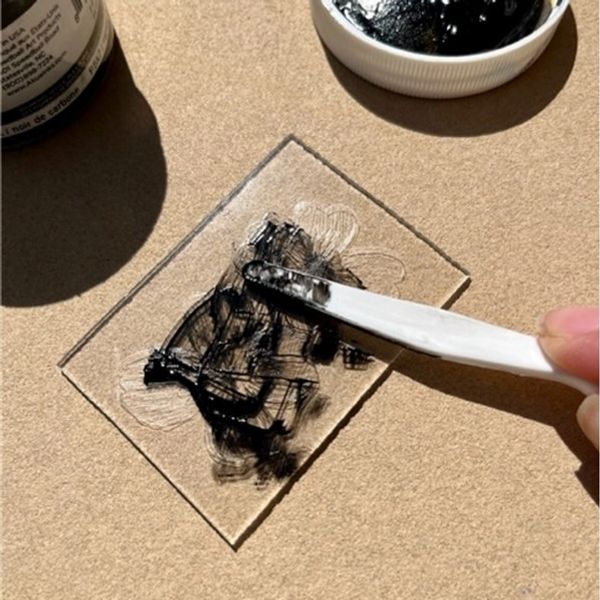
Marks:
<point>569,337</point>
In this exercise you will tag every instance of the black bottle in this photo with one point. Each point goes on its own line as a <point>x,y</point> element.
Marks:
<point>54,52</point>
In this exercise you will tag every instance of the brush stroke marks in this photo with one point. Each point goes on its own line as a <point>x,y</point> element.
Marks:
<point>250,369</point>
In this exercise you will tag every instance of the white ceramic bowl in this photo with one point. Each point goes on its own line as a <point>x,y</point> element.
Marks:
<point>426,75</point>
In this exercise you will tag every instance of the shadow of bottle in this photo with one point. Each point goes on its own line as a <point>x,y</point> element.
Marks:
<point>502,108</point>
<point>80,203</point>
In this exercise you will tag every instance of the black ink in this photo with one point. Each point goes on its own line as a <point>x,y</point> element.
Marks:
<point>250,368</point>
<point>296,285</point>
<point>355,358</point>
<point>447,27</point>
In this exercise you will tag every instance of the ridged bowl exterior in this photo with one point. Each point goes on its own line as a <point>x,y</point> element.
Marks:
<point>422,75</point>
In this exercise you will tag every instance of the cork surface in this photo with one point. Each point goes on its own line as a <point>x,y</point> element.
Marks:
<point>449,482</point>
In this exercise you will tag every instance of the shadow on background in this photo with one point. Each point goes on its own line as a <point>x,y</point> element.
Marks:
<point>78,205</point>
<point>542,401</point>
<point>496,110</point>
<point>549,403</point>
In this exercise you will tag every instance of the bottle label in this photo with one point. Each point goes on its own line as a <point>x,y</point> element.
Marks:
<point>50,54</point>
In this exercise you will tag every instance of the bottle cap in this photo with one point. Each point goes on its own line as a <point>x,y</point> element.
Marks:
<point>428,75</point>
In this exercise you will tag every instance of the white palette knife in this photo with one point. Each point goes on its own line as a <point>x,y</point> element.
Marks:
<point>434,331</point>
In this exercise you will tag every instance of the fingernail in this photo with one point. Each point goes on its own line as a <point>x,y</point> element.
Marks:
<point>569,337</point>
<point>570,321</point>
<point>587,417</point>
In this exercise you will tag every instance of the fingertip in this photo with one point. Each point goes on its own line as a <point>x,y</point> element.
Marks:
<point>587,417</point>
<point>570,321</point>
<point>577,355</point>
<point>569,337</point>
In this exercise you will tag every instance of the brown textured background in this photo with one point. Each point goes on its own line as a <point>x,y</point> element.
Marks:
<point>479,485</point>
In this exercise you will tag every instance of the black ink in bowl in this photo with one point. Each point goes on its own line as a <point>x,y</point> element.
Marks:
<point>444,27</point>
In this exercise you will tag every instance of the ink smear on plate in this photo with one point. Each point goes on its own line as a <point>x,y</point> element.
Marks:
<point>228,396</point>
<point>249,368</point>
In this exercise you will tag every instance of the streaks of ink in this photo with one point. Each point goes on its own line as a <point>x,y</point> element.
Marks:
<point>251,369</point>
<point>162,407</point>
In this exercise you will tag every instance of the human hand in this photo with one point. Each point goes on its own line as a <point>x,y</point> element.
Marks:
<point>569,337</point>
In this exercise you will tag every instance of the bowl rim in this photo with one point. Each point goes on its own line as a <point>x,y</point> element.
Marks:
<point>556,13</point>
